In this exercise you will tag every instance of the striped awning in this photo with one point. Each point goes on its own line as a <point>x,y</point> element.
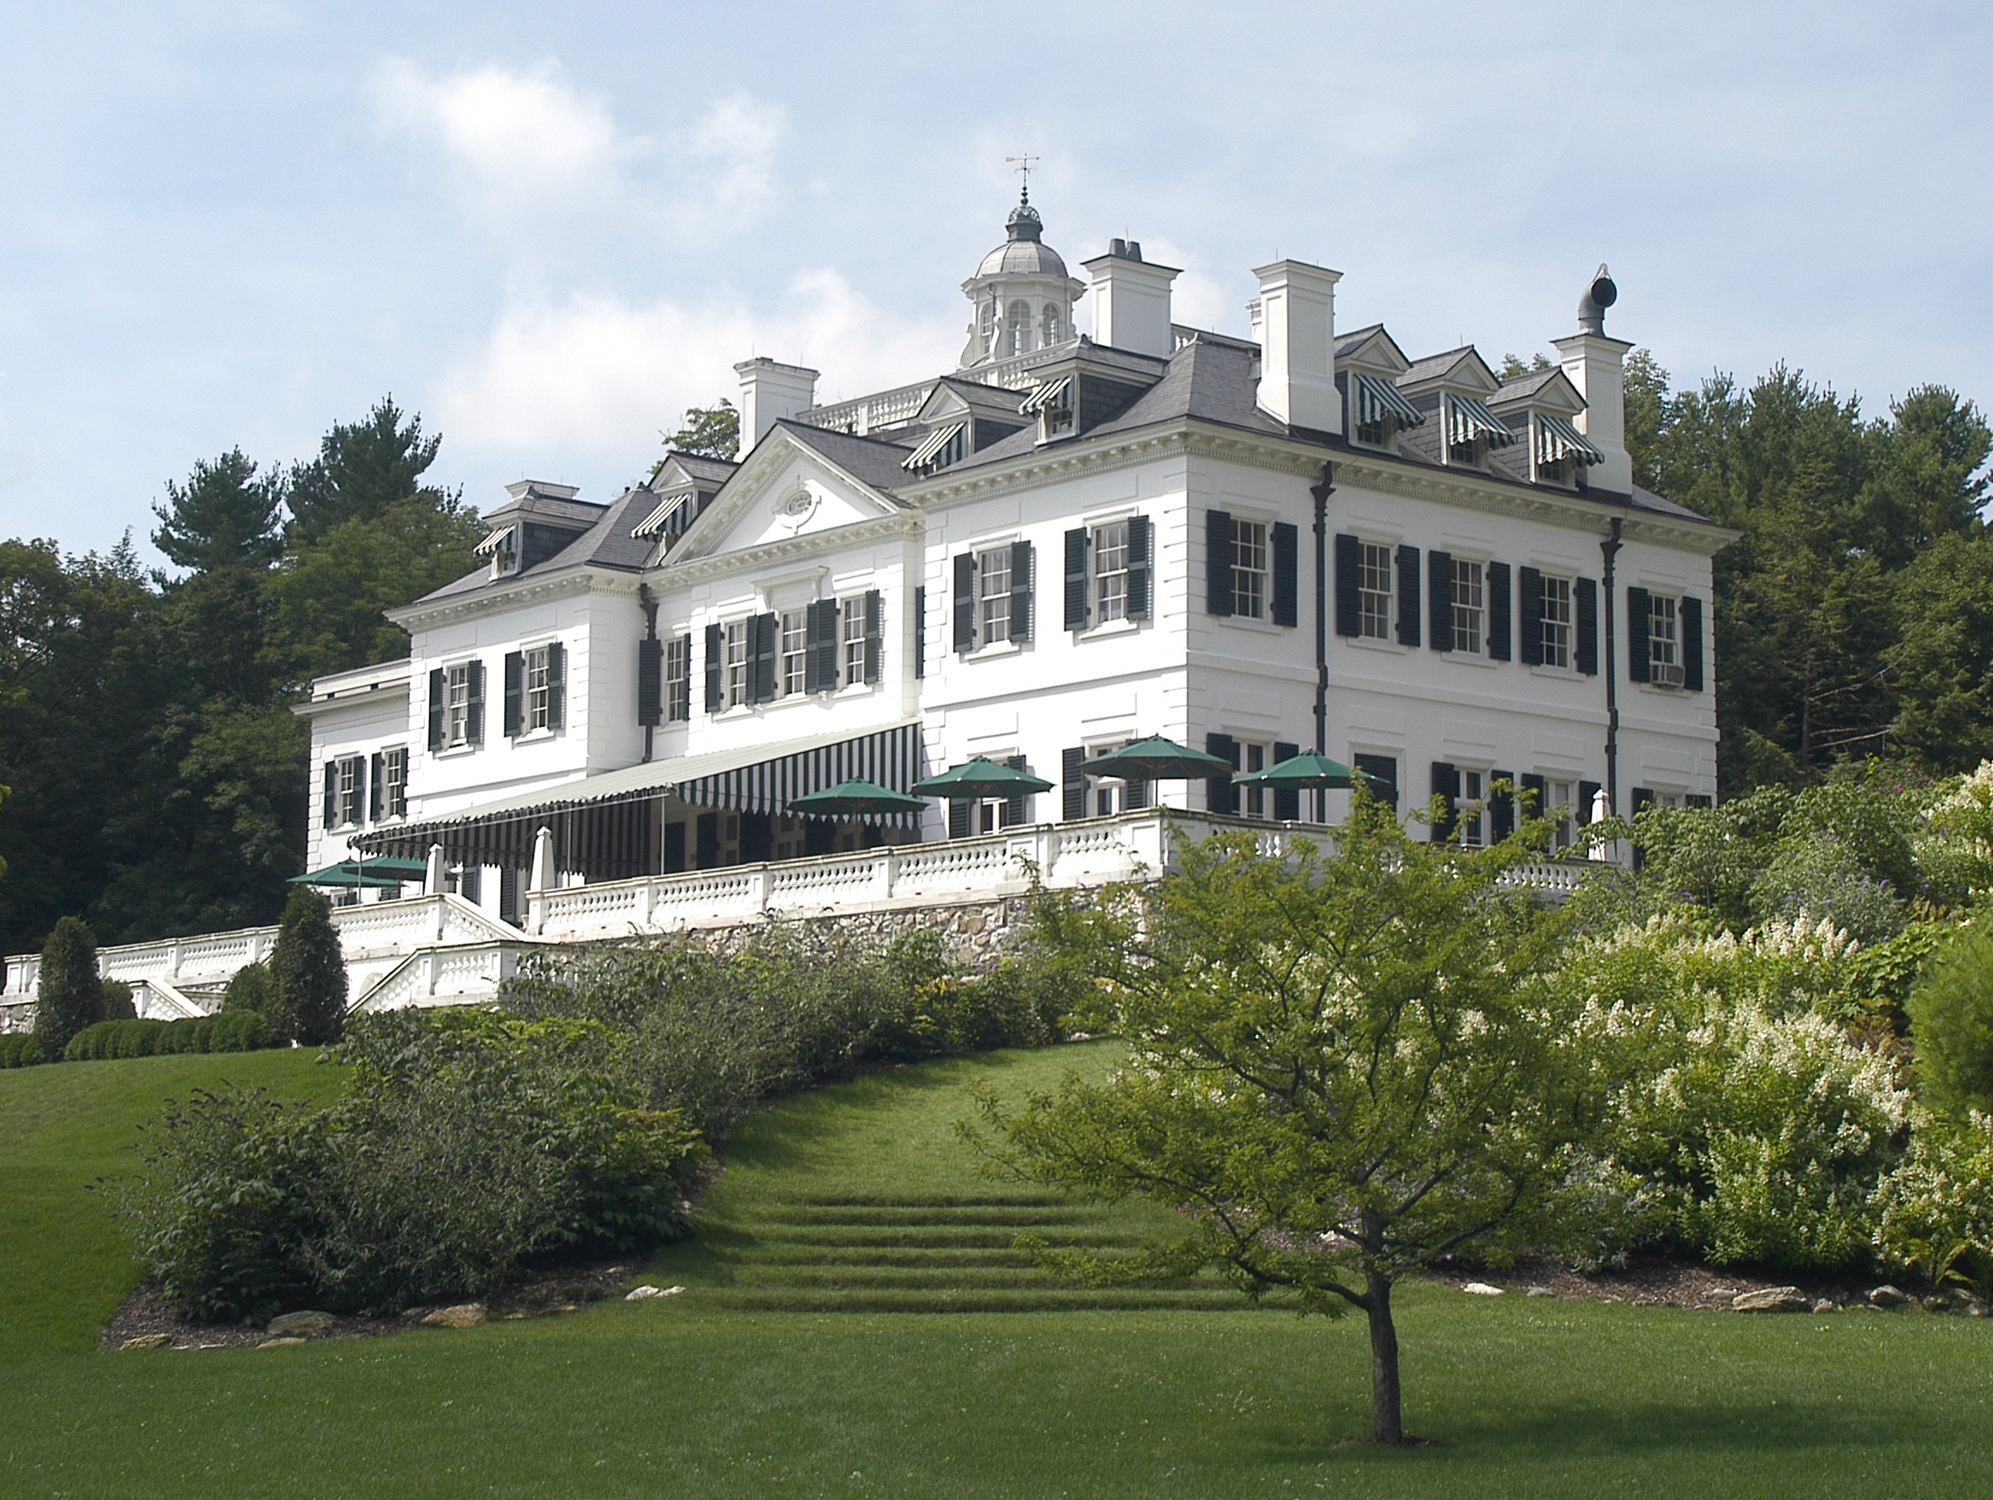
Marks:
<point>1557,439</point>
<point>933,443</point>
<point>497,541</point>
<point>1377,399</point>
<point>1468,419</point>
<point>1049,393</point>
<point>658,519</point>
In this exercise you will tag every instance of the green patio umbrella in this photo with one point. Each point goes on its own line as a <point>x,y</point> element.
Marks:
<point>979,778</point>
<point>855,798</point>
<point>1157,759</point>
<point>383,873</point>
<point>1309,771</point>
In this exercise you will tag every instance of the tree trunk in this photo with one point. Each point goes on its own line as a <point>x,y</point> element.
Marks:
<point>1387,1425</point>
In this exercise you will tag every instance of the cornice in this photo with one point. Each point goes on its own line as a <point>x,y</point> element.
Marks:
<point>510,594</point>
<point>801,547</point>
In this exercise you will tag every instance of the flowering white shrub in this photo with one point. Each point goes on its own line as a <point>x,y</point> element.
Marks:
<point>1954,842</point>
<point>1935,1210</point>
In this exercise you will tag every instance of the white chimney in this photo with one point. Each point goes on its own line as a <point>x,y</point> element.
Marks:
<point>1131,300</point>
<point>1297,327</point>
<point>1596,365</point>
<point>770,392</point>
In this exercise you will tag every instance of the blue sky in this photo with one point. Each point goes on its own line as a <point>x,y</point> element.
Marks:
<point>551,228</point>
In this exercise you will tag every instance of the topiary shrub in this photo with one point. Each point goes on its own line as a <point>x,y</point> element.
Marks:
<point>253,987</point>
<point>20,1049</point>
<point>238,1031</point>
<point>68,994</point>
<point>118,1004</point>
<point>309,972</point>
<point>109,1039</point>
<point>1951,1025</point>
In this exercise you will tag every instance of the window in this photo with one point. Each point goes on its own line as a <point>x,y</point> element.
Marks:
<point>1254,800</point>
<point>346,791</point>
<point>851,627</point>
<point>1467,809</point>
<point>538,698</point>
<point>794,653</point>
<point>393,792</point>
<point>678,680</point>
<point>993,596</point>
<point>1556,622</point>
<point>1383,771</point>
<point>1054,324</point>
<point>1469,607</point>
<point>1374,592</point>
<point>1249,569</point>
<point>733,645</point>
<point>457,705</point>
<point>1663,637</point>
<point>1109,795</point>
<point>1561,802</point>
<point>1110,572</point>
<point>1020,328</point>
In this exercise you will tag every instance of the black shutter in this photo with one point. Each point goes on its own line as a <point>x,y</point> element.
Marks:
<point>1218,562</point>
<point>1017,808</point>
<point>1138,567</point>
<point>1445,786</point>
<point>474,716</point>
<point>920,632</point>
<point>1384,770</point>
<point>1134,796</point>
<point>1439,600</point>
<point>715,670</point>
<point>1349,585</point>
<point>556,686</point>
<point>1639,626</point>
<point>1690,616</point>
<point>1536,794</point>
<point>820,646</point>
<point>1286,574</point>
<point>1020,591</point>
<point>515,680</point>
<point>1072,783</point>
<point>1643,799</point>
<point>1585,593</point>
<point>1408,596</point>
<point>331,808</point>
<point>353,810</point>
<point>1501,804</point>
<point>1220,795</point>
<point>650,683</point>
<point>1586,791</point>
<point>1286,800</point>
<point>761,658</point>
<point>965,602</point>
<point>436,691</point>
<point>874,638</point>
<point>958,819</point>
<point>1076,611</point>
<point>1531,610</point>
<point>374,806</point>
<point>1500,611</point>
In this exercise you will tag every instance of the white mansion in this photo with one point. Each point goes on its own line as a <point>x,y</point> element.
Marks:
<point>1305,540</point>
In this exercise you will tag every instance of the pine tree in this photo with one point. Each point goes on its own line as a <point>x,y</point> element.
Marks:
<point>310,972</point>
<point>224,516</point>
<point>362,469</point>
<point>68,993</point>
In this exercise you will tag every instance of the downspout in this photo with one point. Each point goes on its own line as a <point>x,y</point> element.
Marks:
<point>1610,547</point>
<point>648,601</point>
<point>1321,492</point>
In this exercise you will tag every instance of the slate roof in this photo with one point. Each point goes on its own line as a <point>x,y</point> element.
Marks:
<point>701,468</point>
<point>874,460</point>
<point>1435,365</point>
<point>1522,388</point>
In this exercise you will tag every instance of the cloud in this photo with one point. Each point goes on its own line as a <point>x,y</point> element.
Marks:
<point>599,376</point>
<point>522,145</point>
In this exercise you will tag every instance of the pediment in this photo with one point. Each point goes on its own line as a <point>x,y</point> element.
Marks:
<point>1460,370</point>
<point>784,490</point>
<point>1548,391</point>
<point>1376,353</point>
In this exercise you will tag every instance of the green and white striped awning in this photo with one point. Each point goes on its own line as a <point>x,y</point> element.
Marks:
<point>658,519</point>
<point>497,541</point>
<point>1049,393</point>
<point>1468,419</point>
<point>933,443</point>
<point>1377,399</point>
<point>1557,439</point>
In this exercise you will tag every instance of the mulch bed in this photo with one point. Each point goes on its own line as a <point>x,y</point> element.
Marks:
<point>1654,1281</point>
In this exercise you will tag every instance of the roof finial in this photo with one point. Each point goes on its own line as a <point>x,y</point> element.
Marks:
<point>1023,163</point>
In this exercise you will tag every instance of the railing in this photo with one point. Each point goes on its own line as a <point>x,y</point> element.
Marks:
<point>869,413</point>
<point>444,976</point>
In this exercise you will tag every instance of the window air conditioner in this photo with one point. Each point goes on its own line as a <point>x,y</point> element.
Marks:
<point>1665,674</point>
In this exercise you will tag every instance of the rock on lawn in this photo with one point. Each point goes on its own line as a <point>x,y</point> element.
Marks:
<point>1771,1299</point>
<point>463,1315</point>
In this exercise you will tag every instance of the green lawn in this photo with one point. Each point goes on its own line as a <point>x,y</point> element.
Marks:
<point>855,1194</point>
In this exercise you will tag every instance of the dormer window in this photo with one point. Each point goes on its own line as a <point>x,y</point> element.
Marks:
<point>1378,411</point>
<point>502,547</point>
<point>1558,451</point>
<point>945,445</point>
<point>1471,430</point>
<point>1052,404</point>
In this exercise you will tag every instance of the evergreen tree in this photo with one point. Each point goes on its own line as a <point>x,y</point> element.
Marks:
<point>361,470</point>
<point>223,516</point>
<point>68,993</point>
<point>309,972</point>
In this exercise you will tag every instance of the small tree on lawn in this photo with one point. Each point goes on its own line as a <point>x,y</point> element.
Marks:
<point>309,972</point>
<point>1345,1068</point>
<point>68,994</point>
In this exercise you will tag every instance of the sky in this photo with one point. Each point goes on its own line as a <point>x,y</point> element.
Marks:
<point>551,229</point>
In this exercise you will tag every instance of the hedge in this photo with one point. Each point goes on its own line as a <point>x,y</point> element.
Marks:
<point>20,1049</point>
<point>228,1031</point>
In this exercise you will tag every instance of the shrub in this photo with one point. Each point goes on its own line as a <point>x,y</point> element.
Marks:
<point>108,1039</point>
<point>1951,1025</point>
<point>1818,876</point>
<point>1936,1208</point>
<point>20,1049</point>
<point>118,1005</point>
<point>308,971</point>
<point>252,987</point>
<point>68,994</point>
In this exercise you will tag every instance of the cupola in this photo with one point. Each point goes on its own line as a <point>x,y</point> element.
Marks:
<point>1022,294</point>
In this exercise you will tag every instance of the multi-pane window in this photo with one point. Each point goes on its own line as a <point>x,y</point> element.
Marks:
<point>1054,326</point>
<point>1470,609</point>
<point>851,631</point>
<point>1556,622</point>
<point>1249,568</point>
<point>346,790</point>
<point>1467,809</point>
<point>1562,797</point>
<point>457,704</point>
<point>1253,800</point>
<point>794,651</point>
<point>678,680</point>
<point>536,707</point>
<point>733,664</point>
<point>1108,795</point>
<point>1373,584</point>
<point>1110,571</point>
<point>1020,328</point>
<point>1663,638</point>
<point>394,783</point>
<point>993,595</point>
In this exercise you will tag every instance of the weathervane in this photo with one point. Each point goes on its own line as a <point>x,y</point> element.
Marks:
<point>1024,169</point>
